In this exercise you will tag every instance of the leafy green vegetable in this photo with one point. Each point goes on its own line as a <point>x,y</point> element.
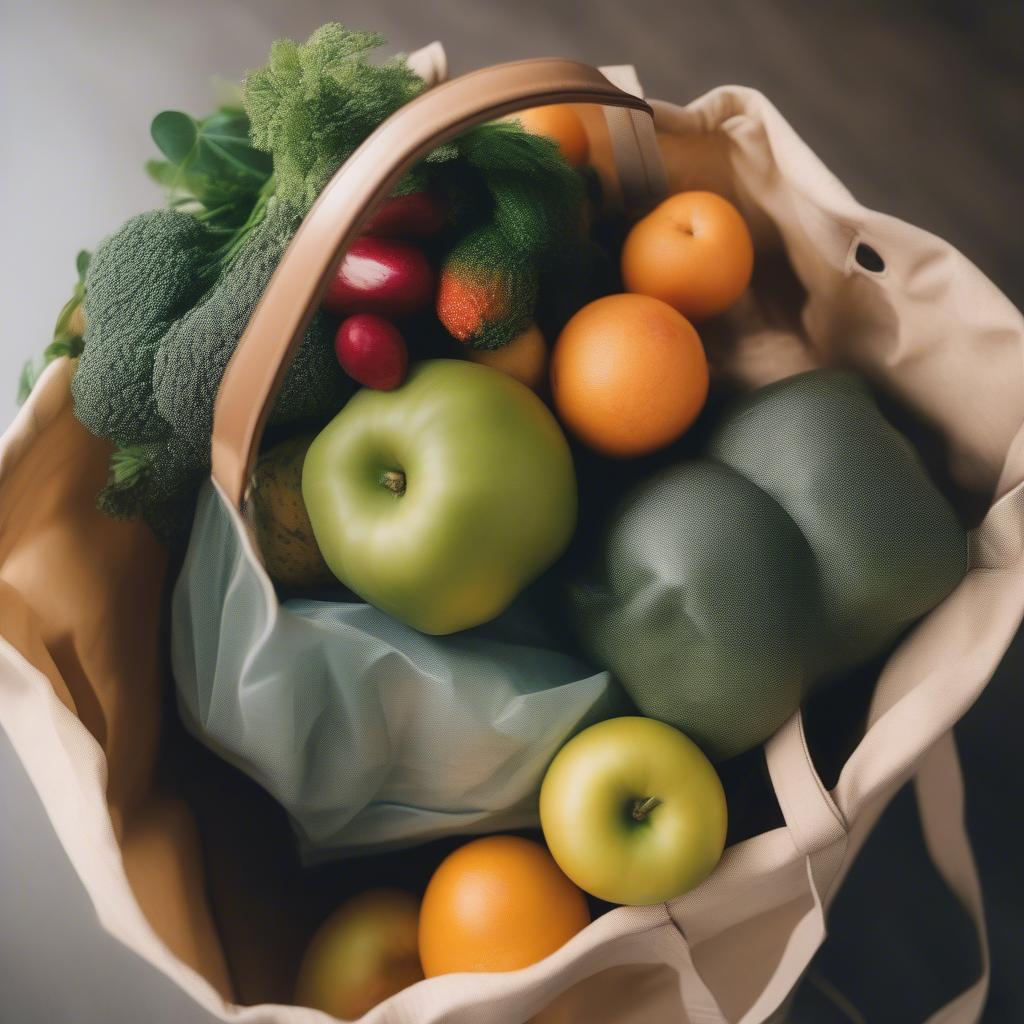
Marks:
<point>194,351</point>
<point>148,376</point>
<point>213,172</point>
<point>169,294</point>
<point>315,102</point>
<point>67,338</point>
<point>519,223</point>
<point>210,163</point>
<point>537,197</point>
<point>158,255</point>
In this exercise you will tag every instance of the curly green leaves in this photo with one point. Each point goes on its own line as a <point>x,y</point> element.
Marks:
<point>314,102</point>
<point>532,203</point>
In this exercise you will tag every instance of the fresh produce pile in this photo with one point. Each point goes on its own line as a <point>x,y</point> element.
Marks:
<point>492,216</point>
<point>484,363</point>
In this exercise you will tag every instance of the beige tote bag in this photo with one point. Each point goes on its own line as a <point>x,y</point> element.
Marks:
<point>83,598</point>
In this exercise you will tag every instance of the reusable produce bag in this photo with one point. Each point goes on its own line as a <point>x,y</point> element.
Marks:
<point>369,733</point>
<point>83,601</point>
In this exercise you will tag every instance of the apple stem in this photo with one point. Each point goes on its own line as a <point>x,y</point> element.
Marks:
<point>394,481</point>
<point>644,807</point>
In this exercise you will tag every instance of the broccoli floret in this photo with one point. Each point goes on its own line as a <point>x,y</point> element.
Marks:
<point>156,481</point>
<point>315,386</point>
<point>162,326</point>
<point>194,353</point>
<point>139,280</point>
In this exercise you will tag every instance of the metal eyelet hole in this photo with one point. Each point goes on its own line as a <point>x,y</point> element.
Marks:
<point>868,258</point>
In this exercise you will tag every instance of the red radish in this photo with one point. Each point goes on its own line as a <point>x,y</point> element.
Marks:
<point>372,351</point>
<point>416,215</point>
<point>384,276</point>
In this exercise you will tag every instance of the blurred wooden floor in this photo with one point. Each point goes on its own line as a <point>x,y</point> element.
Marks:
<point>917,107</point>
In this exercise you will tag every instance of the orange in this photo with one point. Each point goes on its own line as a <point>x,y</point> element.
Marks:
<point>497,904</point>
<point>628,374</point>
<point>560,123</point>
<point>524,357</point>
<point>694,252</point>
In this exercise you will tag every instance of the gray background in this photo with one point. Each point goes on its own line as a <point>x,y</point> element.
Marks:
<point>918,107</point>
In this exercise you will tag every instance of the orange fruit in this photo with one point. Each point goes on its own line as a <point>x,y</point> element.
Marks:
<point>497,904</point>
<point>560,123</point>
<point>524,357</point>
<point>628,374</point>
<point>694,251</point>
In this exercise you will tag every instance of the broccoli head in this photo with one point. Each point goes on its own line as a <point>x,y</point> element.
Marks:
<point>164,317</point>
<point>140,279</point>
<point>156,481</point>
<point>193,354</point>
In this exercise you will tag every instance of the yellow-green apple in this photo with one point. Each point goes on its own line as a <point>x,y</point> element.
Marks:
<point>366,951</point>
<point>633,812</point>
<point>439,501</point>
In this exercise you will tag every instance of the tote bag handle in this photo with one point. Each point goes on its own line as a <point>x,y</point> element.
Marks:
<point>266,349</point>
<point>819,832</point>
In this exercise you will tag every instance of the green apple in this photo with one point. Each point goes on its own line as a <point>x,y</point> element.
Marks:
<point>633,812</point>
<point>439,501</point>
<point>366,951</point>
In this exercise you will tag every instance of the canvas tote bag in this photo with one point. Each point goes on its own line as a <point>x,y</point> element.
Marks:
<point>83,598</point>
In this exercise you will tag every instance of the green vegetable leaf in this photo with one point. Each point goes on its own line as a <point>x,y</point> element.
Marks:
<point>66,339</point>
<point>223,141</point>
<point>210,164</point>
<point>217,147</point>
<point>175,135</point>
<point>27,381</point>
<point>163,172</point>
<point>69,345</point>
<point>314,102</point>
